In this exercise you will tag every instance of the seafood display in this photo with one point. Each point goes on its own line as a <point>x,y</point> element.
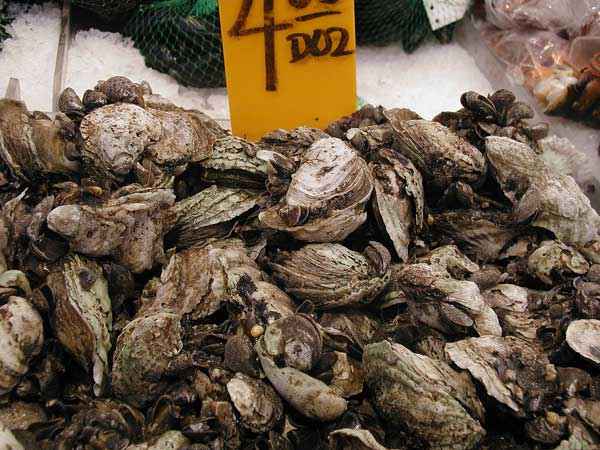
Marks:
<point>389,283</point>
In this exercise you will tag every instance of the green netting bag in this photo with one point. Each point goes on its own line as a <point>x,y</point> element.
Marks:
<point>382,22</point>
<point>4,21</point>
<point>181,38</point>
<point>108,10</point>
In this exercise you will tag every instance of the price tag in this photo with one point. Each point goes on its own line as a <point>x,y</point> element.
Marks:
<point>445,12</point>
<point>288,63</point>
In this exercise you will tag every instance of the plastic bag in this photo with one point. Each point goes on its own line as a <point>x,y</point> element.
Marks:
<point>570,18</point>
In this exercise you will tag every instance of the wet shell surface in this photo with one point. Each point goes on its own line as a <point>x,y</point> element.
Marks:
<point>583,336</point>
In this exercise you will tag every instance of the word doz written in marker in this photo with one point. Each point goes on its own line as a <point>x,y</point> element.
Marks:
<point>302,45</point>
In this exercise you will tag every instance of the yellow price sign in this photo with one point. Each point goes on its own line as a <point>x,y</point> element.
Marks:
<point>288,63</point>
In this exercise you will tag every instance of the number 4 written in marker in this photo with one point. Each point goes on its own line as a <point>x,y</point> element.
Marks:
<point>269,29</point>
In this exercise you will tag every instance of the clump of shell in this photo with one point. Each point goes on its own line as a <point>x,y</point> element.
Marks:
<point>388,283</point>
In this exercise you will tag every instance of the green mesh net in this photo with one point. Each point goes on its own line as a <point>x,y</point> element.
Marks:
<point>107,9</point>
<point>382,22</point>
<point>4,21</point>
<point>181,38</point>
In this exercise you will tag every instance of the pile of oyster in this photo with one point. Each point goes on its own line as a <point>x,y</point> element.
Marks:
<point>389,283</point>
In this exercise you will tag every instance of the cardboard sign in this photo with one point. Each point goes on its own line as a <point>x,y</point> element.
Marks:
<point>288,63</point>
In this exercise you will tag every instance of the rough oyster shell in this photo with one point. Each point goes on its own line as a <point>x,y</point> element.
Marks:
<point>121,90</point>
<point>353,439</point>
<point>440,155</point>
<point>197,280</point>
<point>326,196</point>
<point>182,140</point>
<point>450,259</point>
<point>583,336</point>
<point>33,147</point>
<point>444,303</point>
<point>309,396</point>
<point>511,304</point>
<point>234,163</point>
<point>257,403</point>
<point>512,370</point>
<point>130,227</point>
<point>143,352</point>
<point>8,439</point>
<point>433,401</point>
<point>399,200</point>
<point>83,315</point>
<point>295,340</point>
<point>21,338</point>
<point>331,275</point>
<point>115,136</point>
<point>553,259</point>
<point>554,201</point>
<point>169,440</point>
<point>70,104</point>
<point>209,213</point>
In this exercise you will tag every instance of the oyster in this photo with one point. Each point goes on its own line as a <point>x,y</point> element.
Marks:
<point>256,402</point>
<point>433,401</point>
<point>129,226</point>
<point>171,440</point>
<point>513,371</point>
<point>121,90</point>
<point>511,304</point>
<point>183,140</point>
<point>142,355</point>
<point>83,315</point>
<point>326,196</point>
<point>440,155</point>
<point>352,439</point>
<point>70,104</point>
<point>114,138</point>
<point>553,201</point>
<point>331,275</point>
<point>210,213</point>
<point>34,147</point>
<point>446,304</point>
<point>8,439</point>
<point>21,339</point>
<point>306,394</point>
<point>554,259</point>
<point>234,163</point>
<point>583,337</point>
<point>196,281</point>
<point>399,200</point>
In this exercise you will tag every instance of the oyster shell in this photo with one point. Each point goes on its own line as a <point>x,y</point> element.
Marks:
<point>511,304</point>
<point>331,275</point>
<point>143,352</point>
<point>553,201</point>
<point>169,440</point>
<point>121,90</point>
<point>210,213</point>
<point>196,281</point>
<point>326,196</point>
<point>34,147</point>
<point>21,338</point>
<point>309,396</point>
<point>130,227</point>
<point>182,140</point>
<point>114,138</point>
<point>234,163</point>
<point>83,315</point>
<point>70,104</point>
<point>399,200</point>
<point>555,259</point>
<point>353,439</point>
<point>583,336</point>
<point>436,403</point>
<point>257,403</point>
<point>446,304</point>
<point>8,439</point>
<point>512,370</point>
<point>440,155</point>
